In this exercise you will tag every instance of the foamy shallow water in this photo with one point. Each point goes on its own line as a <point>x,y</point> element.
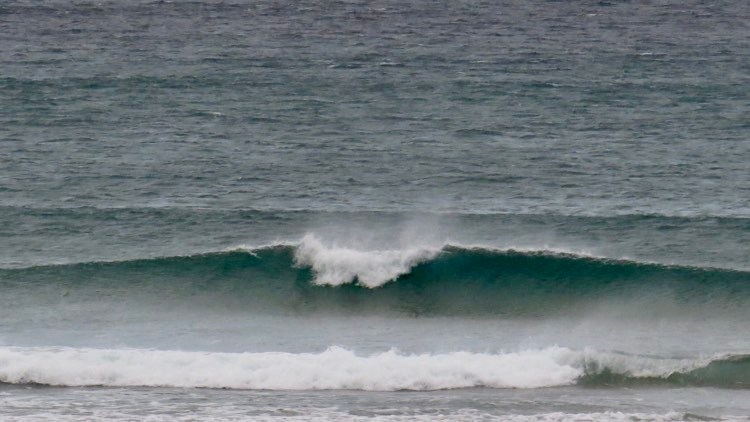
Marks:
<point>557,404</point>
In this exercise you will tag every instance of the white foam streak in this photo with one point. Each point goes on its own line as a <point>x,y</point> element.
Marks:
<point>335,266</point>
<point>335,368</point>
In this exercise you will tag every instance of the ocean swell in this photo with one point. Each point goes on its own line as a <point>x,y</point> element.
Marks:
<point>310,276</point>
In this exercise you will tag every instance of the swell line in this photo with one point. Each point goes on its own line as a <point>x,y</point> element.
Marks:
<point>450,280</point>
<point>313,254</point>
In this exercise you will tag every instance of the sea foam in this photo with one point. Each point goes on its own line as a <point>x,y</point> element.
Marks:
<point>334,368</point>
<point>335,265</point>
<point>340,369</point>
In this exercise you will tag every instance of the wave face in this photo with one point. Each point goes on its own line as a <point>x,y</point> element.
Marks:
<point>731,371</point>
<point>451,280</point>
<point>341,369</point>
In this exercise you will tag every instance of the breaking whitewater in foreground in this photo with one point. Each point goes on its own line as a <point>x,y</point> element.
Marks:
<point>341,369</point>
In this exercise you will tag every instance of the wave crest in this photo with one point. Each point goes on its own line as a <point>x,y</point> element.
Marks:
<point>310,276</point>
<point>335,266</point>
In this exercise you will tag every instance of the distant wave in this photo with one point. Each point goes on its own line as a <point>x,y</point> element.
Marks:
<point>341,369</point>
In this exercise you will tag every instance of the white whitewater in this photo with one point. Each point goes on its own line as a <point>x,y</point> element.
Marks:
<point>333,369</point>
<point>335,265</point>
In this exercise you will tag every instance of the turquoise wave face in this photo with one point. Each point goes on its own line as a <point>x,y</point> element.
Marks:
<point>448,281</point>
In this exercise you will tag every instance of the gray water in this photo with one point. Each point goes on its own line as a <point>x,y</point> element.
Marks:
<point>365,138</point>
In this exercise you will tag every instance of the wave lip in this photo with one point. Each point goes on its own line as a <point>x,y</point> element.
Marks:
<point>339,369</point>
<point>334,266</point>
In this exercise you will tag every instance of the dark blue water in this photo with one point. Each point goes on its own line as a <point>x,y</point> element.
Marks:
<point>336,200</point>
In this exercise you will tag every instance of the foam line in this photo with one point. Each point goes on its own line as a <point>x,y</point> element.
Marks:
<point>340,369</point>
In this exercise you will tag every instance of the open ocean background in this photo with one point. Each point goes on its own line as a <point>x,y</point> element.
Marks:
<point>404,210</point>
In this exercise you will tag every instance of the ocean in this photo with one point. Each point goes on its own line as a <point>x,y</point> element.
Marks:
<point>349,210</point>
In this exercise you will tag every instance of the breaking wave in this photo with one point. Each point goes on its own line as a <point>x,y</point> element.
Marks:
<point>341,369</point>
<point>447,280</point>
<point>337,265</point>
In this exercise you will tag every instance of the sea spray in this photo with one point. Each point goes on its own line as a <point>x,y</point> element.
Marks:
<point>335,266</point>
